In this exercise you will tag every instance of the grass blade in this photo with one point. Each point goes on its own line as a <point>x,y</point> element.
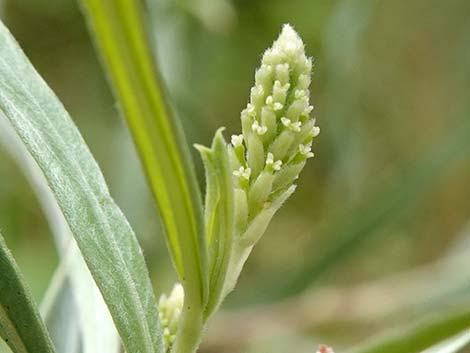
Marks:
<point>452,345</point>
<point>418,338</point>
<point>20,324</point>
<point>104,236</point>
<point>119,30</point>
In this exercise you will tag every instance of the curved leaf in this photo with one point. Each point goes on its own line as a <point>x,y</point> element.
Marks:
<point>452,345</point>
<point>119,30</point>
<point>20,324</point>
<point>419,337</point>
<point>73,308</point>
<point>104,236</point>
<point>60,311</point>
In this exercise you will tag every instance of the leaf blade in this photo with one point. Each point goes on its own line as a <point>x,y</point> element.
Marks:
<point>101,230</point>
<point>419,337</point>
<point>20,324</point>
<point>73,309</point>
<point>120,36</point>
<point>59,310</point>
<point>452,345</point>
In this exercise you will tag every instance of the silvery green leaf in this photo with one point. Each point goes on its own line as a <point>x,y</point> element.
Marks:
<point>84,318</point>
<point>60,312</point>
<point>20,324</point>
<point>104,236</point>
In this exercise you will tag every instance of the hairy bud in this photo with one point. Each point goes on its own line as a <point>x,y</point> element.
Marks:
<point>170,308</point>
<point>277,128</point>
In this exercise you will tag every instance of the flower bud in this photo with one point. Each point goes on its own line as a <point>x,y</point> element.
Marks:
<point>169,311</point>
<point>276,124</point>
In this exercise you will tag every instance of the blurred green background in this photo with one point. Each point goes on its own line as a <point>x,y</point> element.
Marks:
<point>378,232</point>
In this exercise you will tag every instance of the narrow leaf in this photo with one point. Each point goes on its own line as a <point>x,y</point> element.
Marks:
<point>85,318</point>
<point>104,236</point>
<point>419,337</point>
<point>60,312</point>
<point>452,345</point>
<point>20,324</point>
<point>120,34</point>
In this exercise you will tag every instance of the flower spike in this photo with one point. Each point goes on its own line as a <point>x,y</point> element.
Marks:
<point>248,180</point>
<point>277,128</point>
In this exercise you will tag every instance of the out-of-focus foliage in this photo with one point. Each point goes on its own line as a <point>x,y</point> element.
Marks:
<point>391,87</point>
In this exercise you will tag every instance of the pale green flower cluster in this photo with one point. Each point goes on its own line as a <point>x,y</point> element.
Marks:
<point>277,129</point>
<point>169,311</point>
<point>248,180</point>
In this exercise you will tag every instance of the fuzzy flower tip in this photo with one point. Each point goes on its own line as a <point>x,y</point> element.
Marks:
<point>277,128</point>
<point>170,308</point>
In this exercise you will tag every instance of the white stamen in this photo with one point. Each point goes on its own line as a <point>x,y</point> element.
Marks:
<point>277,165</point>
<point>296,126</point>
<point>285,121</point>
<point>315,131</point>
<point>290,125</point>
<point>307,110</point>
<point>270,158</point>
<point>271,164</point>
<point>300,93</point>
<point>259,129</point>
<point>242,173</point>
<point>237,140</point>
<point>306,151</point>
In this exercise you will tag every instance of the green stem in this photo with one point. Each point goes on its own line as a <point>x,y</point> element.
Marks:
<point>119,29</point>
<point>190,329</point>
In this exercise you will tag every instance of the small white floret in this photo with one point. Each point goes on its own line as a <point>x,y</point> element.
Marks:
<point>259,129</point>
<point>243,172</point>
<point>271,164</point>
<point>285,121</point>
<point>315,131</point>
<point>300,94</point>
<point>277,165</point>
<point>306,151</point>
<point>270,158</point>
<point>294,126</point>
<point>307,110</point>
<point>237,140</point>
